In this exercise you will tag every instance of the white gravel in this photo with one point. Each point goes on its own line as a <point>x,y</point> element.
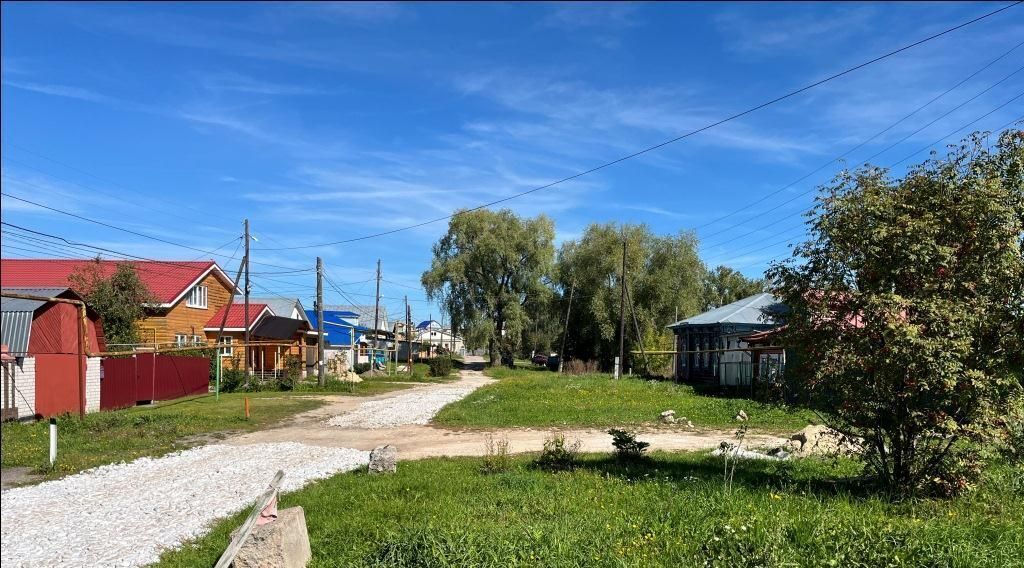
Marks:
<point>126,514</point>
<point>410,408</point>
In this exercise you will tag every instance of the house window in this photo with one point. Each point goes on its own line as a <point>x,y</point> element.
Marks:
<point>188,340</point>
<point>226,351</point>
<point>197,297</point>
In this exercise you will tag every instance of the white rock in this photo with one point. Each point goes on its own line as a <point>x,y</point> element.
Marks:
<point>416,407</point>
<point>126,514</point>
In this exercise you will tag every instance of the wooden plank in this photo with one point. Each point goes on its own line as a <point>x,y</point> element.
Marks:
<point>228,557</point>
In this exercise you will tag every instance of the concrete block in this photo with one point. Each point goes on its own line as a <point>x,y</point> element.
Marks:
<point>283,543</point>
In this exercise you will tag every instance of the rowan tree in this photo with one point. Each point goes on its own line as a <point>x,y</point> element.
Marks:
<point>907,310</point>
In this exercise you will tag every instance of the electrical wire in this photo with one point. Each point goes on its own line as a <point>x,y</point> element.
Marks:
<point>649,149</point>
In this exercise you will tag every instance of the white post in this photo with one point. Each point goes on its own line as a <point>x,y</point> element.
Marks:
<point>616,375</point>
<point>53,441</point>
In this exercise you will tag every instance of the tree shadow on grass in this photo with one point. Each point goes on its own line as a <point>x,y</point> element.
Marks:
<point>814,476</point>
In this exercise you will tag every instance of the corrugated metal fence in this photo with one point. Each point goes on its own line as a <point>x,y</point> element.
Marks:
<point>145,377</point>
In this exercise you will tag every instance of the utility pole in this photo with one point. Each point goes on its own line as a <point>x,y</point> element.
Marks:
<point>636,324</point>
<point>408,333</point>
<point>245,312</point>
<point>622,312</point>
<point>320,378</point>
<point>376,320</point>
<point>565,331</point>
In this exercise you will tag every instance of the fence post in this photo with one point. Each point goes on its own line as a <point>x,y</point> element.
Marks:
<point>216,391</point>
<point>53,441</point>
<point>616,375</point>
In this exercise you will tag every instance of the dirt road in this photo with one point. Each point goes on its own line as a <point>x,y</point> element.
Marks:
<point>416,441</point>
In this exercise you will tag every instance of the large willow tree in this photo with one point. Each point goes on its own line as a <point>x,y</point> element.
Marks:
<point>487,269</point>
<point>665,278</point>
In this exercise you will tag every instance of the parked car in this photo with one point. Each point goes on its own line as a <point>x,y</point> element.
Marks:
<point>540,360</point>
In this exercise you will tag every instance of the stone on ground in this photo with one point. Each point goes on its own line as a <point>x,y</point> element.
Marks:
<point>820,439</point>
<point>668,417</point>
<point>383,459</point>
<point>741,416</point>
<point>283,543</point>
<point>350,377</point>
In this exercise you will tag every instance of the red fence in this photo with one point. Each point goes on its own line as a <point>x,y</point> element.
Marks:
<point>145,377</point>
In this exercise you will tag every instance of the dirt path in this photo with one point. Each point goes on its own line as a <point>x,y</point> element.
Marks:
<point>416,441</point>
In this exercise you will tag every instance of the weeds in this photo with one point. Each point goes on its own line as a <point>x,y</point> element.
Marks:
<point>496,455</point>
<point>558,455</point>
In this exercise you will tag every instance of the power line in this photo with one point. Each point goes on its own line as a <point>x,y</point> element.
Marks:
<point>116,228</point>
<point>96,190</point>
<point>999,128</point>
<point>667,142</point>
<point>875,155</point>
<point>866,141</point>
<point>96,177</point>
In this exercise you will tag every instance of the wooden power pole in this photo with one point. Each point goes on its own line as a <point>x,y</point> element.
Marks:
<point>320,378</point>
<point>408,333</point>
<point>622,311</point>
<point>376,320</point>
<point>565,330</point>
<point>245,309</point>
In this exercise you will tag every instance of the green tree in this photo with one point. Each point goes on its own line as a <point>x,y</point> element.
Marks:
<point>723,285</point>
<point>907,306</point>
<point>665,278</point>
<point>487,269</point>
<point>119,299</point>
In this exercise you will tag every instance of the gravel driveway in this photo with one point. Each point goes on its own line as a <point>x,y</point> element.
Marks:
<point>126,514</point>
<point>416,407</point>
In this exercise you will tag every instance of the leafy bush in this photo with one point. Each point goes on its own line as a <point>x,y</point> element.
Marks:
<point>496,456</point>
<point>1013,436</point>
<point>904,308</point>
<point>558,455</point>
<point>361,368</point>
<point>232,380</point>
<point>627,447</point>
<point>579,367</point>
<point>440,366</point>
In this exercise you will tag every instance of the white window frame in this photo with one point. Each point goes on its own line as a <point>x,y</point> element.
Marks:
<point>227,351</point>
<point>181,339</point>
<point>198,297</point>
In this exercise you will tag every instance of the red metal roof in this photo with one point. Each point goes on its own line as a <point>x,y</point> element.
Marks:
<point>236,317</point>
<point>166,280</point>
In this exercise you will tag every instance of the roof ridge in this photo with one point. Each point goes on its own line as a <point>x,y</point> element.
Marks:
<point>752,299</point>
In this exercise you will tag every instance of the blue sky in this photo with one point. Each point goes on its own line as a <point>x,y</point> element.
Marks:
<point>322,122</point>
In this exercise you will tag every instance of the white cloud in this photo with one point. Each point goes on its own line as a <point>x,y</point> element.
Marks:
<point>768,30</point>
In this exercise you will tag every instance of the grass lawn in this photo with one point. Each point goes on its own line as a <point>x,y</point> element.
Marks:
<point>670,511</point>
<point>542,398</point>
<point>123,435</point>
<point>371,385</point>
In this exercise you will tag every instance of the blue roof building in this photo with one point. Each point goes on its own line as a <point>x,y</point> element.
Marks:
<point>338,327</point>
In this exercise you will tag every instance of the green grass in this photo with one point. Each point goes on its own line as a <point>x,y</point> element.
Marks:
<point>541,398</point>
<point>123,435</point>
<point>668,511</point>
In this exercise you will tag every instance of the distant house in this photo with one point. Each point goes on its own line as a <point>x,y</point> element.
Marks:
<point>433,335</point>
<point>42,369</point>
<point>712,346</point>
<point>190,299</point>
<point>285,336</point>
<point>185,293</point>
